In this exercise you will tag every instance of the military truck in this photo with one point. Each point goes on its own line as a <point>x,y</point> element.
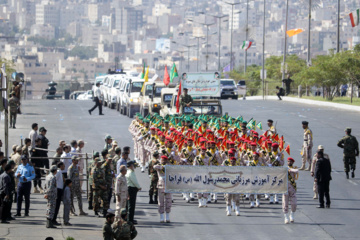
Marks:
<point>150,100</point>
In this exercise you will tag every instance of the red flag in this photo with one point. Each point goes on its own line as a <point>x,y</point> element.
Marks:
<point>260,141</point>
<point>281,145</point>
<point>244,146</point>
<point>178,99</point>
<point>276,138</point>
<point>166,77</point>
<point>287,149</point>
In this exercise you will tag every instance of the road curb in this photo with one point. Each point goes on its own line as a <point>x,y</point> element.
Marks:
<point>307,101</point>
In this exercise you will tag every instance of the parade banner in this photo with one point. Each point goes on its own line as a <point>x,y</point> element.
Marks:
<point>223,179</point>
<point>201,84</point>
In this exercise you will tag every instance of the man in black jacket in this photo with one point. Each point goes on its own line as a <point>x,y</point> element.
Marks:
<point>322,178</point>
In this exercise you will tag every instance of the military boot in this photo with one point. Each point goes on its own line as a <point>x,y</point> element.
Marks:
<point>49,224</point>
<point>353,174</point>
<point>151,201</point>
<point>347,175</point>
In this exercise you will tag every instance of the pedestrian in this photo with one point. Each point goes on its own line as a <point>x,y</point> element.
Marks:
<point>322,178</point>
<point>351,150</point>
<point>57,156</point>
<point>97,99</point>
<point>73,145</point>
<point>67,202</point>
<point>51,195</point>
<point>164,198</point>
<point>59,189</point>
<point>17,156</point>
<point>80,146</point>
<point>121,191</point>
<point>37,163</point>
<point>116,157</point>
<point>25,173</point>
<point>306,151</point>
<point>99,188</point>
<point>133,188</point>
<point>13,109</point>
<point>73,174</point>
<point>122,162</point>
<point>33,134</point>
<point>312,171</point>
<point>14,150</point>
<point>108,232</point>
<point>91,167</point>
<point>5,194</point>
<point>287,82</point>
<point>109,177</point>
<point>25,148</point>
<point>13,197</point>
<point>66,159</point>
<point>44,145</point>
<point>280,92</point>
<point>123,229</point>
<point>293,175</point>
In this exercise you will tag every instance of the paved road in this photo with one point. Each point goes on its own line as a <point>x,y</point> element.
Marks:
<point>70,120</point>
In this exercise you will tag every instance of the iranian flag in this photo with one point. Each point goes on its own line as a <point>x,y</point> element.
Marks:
<point>246,45</point>
<point>354,18</point>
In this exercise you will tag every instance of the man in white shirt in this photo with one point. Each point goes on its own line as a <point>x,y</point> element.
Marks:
<point>66,160</point>
<point>33,134</point>
<point>60,188</point>
<point>97,99</point>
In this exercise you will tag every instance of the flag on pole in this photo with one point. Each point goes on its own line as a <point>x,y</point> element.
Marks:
<point>143,72</point>
<point>146,78</point>
<point>287,149</point>
<point>293,32</point>
<point>259,126</point>
<point>178,99</point>
<point>354,18</point>
<point>246,45</point>
<point>166,77</point>
<point>173,73</point>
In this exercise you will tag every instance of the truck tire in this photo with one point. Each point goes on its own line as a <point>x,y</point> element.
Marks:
<point>112,105</point>
<point>235,97</point>
<point>130,112</point>
<point>117,106</point>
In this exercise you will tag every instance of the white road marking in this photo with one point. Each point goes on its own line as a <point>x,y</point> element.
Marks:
<point>287,228</point>
<point>334,171</point>
<point>352,182</point>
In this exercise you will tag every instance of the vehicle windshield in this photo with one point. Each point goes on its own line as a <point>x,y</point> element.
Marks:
<point>148,89</point>
<point>167,98</point>
<point>136,86</point>
<point>116,83</point>
<point>203,109</point>
<point>158,91</point>
<point>227,83</point>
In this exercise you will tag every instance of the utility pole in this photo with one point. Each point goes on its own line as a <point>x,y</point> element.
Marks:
<point>263,60</point>
<point>246,33</point>
<point>4,94</point>
<point>338,28</point>
<point>309,36</point>
<point>231,33</point>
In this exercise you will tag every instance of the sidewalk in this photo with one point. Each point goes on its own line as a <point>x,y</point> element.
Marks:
<point>306,101</point>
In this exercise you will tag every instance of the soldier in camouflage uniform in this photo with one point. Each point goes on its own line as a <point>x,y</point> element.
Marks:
<point>13,108</point>
<point>99,188</point>
<point>73,175</point>
<point>154,178</point>
<point>109,176</point>
<point>51,195</point>
<point>123,229</point>
<point>186,99</point>
<point>351,151</point>
<point>91,166</point>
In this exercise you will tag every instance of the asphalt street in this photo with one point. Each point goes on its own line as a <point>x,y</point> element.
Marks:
<point>68,120</point>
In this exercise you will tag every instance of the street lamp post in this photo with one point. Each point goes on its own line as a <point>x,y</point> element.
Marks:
<point>231,32</point>
<point>198,50</point>
<point>188,47</point>
<point>338,28</point>
<point>285,39</point>
<point>263,60</point>
<point>309,36</point>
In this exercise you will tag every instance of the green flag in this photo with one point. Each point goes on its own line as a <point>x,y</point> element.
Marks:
<point>173,73</point>
<point>143,72</point>
<point>259,126</point>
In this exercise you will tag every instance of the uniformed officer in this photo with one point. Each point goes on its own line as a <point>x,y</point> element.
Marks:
<point>351,150</point>
<point>121,191</point>
<point>123,229</point>
<point>73,175</point>
<point>91,166</point>
<point>307,146</point>
<point>100,189</point>
<point>108,231</point>
<point>13,109</point>
<point>153,178</point>
<point>108,142</point>
<point>51,195</point>
<point>109,176</point>
<point>25,173</point>
<point>272,130</point>
<point>186,99</point>
<point>291,194</point>
<point>312,171</point>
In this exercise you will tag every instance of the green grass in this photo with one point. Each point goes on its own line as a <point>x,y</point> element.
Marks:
<point>343,100</point>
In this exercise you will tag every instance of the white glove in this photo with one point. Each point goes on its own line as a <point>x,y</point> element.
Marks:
<point>140,138</point>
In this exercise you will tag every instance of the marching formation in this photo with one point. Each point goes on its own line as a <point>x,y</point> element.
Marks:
<point>209,141</point>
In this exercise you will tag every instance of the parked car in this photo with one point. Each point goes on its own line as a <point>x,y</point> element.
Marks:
<point>75,95</point>
<point>130,97</point>
<point>228,89</point>
<point>88,95</point>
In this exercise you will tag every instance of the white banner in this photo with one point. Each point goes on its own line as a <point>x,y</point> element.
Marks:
<point>223,179</point>
<point>201,84</point>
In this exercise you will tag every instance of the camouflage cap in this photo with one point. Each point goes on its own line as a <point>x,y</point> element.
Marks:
<point>96,154</point>
<point>347,129</point>
<point>156,153</point>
